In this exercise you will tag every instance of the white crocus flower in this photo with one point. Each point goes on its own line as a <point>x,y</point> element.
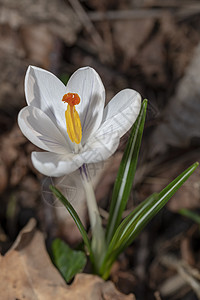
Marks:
<point>70,122</point>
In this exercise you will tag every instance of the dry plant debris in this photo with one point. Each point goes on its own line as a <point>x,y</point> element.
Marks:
<point>27,273</point>
<point>189,275</point>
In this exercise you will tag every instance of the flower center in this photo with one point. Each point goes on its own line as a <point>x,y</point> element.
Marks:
<point>72,118</point>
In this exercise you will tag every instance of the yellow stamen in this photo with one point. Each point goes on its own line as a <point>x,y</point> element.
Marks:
<point>73,121</point>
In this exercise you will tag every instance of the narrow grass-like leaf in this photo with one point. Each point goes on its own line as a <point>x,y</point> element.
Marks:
<point>76,218</point>
<point>190,214</point>
<point>112,252</point>
<point>136,221</point>
<point>126,173</point>
<point>68,261</point>
<point>126,228</point>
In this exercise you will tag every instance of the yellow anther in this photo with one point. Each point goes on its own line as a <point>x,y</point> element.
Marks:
<point>73,121</point>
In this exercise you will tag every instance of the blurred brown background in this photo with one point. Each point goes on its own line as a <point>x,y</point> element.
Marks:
<point>149,45</point>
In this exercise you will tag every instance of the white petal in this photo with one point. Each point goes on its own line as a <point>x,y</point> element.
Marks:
<point>121,112</point>
<point>41,131</point>
<point>45,91</point>
<point>100,147</point>
<point>55,165</point>
<point>88,85</point>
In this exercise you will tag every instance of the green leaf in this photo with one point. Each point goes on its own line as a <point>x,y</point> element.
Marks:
<point>76,218</point>
<point>136,221</point>
<point>68,261</point>
<point>126,173</point>
<point>190,214</point>
<point>113,250</point>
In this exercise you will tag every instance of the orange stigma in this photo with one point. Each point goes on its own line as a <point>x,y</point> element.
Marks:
<point>71,98</point>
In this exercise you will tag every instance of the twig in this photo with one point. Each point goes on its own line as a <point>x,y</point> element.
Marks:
<point>172,3</point>
<point>126,14</point>
<point>104,214</point>
<point>179,12</point>
<point>184,270</point>
<point>173,285</point>
<point>86,22</point>
<point>157,295</point>
<point>188,11</point>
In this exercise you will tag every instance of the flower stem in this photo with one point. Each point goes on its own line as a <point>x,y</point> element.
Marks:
<point>98,235</point>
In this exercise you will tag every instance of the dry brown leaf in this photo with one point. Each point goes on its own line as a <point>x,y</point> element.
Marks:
<point>89,287</point>
<point>27,273</point>
<point>26,270</point>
